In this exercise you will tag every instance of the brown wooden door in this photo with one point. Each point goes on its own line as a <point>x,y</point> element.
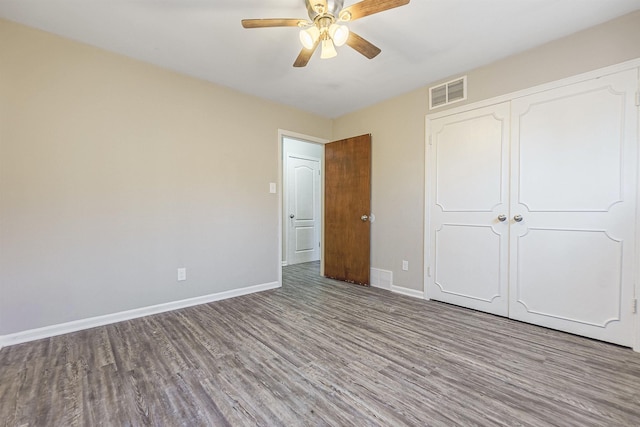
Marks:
<point>347,199</point>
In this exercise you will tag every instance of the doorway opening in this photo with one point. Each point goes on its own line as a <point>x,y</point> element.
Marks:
<point>325,219</point>
<point>301,203</point>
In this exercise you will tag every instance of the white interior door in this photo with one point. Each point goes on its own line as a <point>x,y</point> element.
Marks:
<point>469,169</point>
<point>303,182</point>
<point>574,186</point>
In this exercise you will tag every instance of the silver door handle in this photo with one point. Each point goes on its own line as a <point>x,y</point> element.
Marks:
<point>502,218</point>
<point>292,216</point>
<point>364,218</point>
<point>517,218</point>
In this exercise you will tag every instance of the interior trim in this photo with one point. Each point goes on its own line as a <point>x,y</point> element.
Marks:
<point>92,322</point>
<point>407,292</point>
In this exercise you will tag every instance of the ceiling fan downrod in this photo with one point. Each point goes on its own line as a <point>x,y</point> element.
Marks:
<point>317,8</point>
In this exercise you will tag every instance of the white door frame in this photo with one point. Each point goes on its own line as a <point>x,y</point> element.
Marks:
<point>635,63</point>
<point>282,133</point>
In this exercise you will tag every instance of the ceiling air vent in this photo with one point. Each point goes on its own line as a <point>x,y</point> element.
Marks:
<point>448,93</point>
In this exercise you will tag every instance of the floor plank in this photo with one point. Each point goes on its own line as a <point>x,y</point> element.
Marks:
<point>320,352</point>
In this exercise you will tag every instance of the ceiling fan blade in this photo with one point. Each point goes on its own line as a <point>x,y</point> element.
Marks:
<point>369,7</point>
<point>363,46</point>
<point>276,22</point>
<point>305,55</point>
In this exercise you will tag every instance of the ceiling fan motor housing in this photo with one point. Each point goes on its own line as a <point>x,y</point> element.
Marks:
<point>323,7</point>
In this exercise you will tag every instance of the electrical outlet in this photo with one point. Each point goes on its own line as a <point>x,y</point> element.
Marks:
<point>182,274</point>
<point>405,265</point>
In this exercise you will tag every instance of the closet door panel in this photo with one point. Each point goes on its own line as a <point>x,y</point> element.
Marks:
<point>570,151</point>
<point>468,167</point>
<point>589,259</point>
<point>468,251</point>
<point>573,183</point>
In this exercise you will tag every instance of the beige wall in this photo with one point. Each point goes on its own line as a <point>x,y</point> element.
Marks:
<point>397,128</point>
<point>114,173</point>
<point>606,44</point>
<point>397,131</point>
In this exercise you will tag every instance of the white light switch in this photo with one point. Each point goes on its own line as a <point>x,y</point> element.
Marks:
<point>405,265</point>
<point>182,274</point>
<point>272,187</point>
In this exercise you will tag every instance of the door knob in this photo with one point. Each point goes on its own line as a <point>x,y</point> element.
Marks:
<point>364,218</point>
<point>502,218</point>
<point>517,218</point>
<point>291,216</point>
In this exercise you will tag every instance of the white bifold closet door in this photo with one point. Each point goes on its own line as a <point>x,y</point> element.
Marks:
<point>558,249</point>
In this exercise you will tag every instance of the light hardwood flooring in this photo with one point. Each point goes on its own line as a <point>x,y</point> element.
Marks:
<point>319,352</point>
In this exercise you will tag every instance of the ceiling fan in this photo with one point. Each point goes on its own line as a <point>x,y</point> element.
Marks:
<point>323,28</point>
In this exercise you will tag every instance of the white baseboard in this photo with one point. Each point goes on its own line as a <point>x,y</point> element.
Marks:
<point>382,279</point>
<point>284,263</point>
<point>92,322</point>
<point>408,292</point>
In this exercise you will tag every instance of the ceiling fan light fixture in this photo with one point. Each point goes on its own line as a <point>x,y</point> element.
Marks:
<point>309,37</point>
<point>328,49</point>
<point>324,29</point>
<point>339,34</point>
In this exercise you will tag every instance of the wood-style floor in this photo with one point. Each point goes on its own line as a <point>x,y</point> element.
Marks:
<point>319,352</point>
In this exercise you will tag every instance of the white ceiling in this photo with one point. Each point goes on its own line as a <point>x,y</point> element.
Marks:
<point>422,42</point>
